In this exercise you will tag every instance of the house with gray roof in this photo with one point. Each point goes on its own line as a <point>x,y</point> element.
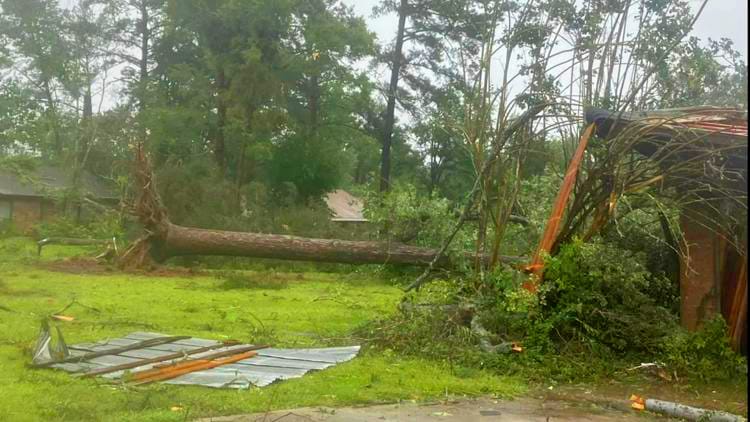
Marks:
<point>28,198</point>
<point>345,207</point>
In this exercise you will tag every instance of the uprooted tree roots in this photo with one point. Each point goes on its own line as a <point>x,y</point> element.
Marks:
<point>150,212</point>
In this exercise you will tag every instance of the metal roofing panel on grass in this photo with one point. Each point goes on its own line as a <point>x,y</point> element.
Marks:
<point>329,355</point>
<point>268,366</point>
<point>261,360</point>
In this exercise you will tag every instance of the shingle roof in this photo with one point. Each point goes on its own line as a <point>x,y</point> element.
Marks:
<point>50,178</point>
<point>344,206</point>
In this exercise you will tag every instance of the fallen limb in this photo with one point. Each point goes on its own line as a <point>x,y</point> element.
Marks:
<point>114,351</point>
<point>678,410</point>
<point>689,412</point>
<point>484,337</point>
<point>175,240</point>
<point>180,367</point>
<point>68,241</point>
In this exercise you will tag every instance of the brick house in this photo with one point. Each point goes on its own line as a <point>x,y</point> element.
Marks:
<point>713,269</point>
<point>27,199</point>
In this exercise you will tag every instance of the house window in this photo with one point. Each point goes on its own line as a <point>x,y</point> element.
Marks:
<point>5,209</point>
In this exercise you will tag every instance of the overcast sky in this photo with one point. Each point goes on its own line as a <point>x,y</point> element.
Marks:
<point>720,18</point>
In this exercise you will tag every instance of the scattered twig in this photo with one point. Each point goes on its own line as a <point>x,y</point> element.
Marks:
<point>683,411</point>
<point>646,365</point>
<point>76,302</point>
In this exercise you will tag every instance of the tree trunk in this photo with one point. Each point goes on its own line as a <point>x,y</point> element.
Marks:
<point>88,107</point>
<point>86,128</point>
<point>313,104</point>
<point>164,239</point>
<point>143,63</point>
<point>51,112</point>
<point>385,158</point>
<point>221,107</point>
<point>174,240</point>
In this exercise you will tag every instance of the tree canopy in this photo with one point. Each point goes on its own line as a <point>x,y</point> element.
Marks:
<point>282,93</point>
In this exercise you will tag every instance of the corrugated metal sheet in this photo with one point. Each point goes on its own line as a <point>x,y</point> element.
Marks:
<point>270,365</point>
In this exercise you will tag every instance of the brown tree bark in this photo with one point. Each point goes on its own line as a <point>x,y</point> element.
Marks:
<point>385,157</point>
<point>51,112</point>
<point>221,106</point>
<point>174,240</point>
<point>164,240</point>
<point>145,32</point>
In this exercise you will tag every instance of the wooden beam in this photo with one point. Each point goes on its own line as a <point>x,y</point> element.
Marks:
<point>115,351</point>
<point>558,209</point>
<point>171,356</point>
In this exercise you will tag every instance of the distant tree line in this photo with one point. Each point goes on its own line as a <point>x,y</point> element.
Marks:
<point>278,96</point>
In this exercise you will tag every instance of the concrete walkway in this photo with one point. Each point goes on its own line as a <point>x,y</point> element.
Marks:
<point>479,410</point>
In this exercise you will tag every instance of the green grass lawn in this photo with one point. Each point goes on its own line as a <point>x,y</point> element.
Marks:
<point>284,309</point>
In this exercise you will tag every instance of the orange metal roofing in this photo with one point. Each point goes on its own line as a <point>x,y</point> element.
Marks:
<point>715,120</point>
<point>725,128</point>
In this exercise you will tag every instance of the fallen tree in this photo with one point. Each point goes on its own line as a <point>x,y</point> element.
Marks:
<point>179,241</point>
<point>163,239</point>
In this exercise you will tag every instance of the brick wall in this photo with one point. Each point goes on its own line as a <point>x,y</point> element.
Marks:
<point>27,212</point>
<point>699,293</point>
<point>49,209</point>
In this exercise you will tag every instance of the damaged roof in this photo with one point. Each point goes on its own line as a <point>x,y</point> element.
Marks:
<point>714,136</point>
<point>46,179</point>
<point>715,122</point>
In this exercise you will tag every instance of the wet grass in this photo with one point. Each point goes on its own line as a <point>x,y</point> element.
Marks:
<point>253,280</point>
<point>287,310</point>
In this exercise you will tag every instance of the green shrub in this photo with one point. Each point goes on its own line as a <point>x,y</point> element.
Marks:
<point>313,165</point>
<point>431,326</point>
<point>705,354</point>
<point>597,295</point>
<point>416,219</point>
<point>593,316</point>
<point>639,230</point>
<point>104,226</point>
<point>505,307</point>
<point>7,229</point>
<point>423,327</point>
<point>438,292</point>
